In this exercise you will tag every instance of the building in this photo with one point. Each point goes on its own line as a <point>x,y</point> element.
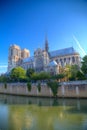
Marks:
<point>16,56</point>
<point>43,59</point>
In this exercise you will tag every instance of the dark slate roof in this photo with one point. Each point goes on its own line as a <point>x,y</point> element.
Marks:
<point>28,59</point>
<point>65,51</point>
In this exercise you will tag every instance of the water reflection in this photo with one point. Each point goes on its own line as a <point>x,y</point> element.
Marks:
<point>3,117</point>
<point>25,113</point>
<point>7,99</point>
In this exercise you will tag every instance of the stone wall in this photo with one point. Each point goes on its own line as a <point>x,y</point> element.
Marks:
<point>71,90</point>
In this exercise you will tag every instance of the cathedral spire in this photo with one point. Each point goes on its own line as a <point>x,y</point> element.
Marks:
<point>46,44</point>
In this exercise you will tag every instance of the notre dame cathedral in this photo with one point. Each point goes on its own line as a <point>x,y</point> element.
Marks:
<point>43,59</point>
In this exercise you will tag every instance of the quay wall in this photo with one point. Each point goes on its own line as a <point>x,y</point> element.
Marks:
<point>75,89</point>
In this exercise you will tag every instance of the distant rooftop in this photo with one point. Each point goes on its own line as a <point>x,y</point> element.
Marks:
<point>61,52</point>
<point>28,59</point>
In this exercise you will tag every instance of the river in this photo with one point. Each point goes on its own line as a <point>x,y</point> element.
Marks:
<point>30,113</point>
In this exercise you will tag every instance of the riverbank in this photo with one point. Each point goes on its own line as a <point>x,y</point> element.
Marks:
<point>75,89</point>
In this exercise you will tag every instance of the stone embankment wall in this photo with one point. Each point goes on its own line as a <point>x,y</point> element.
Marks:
<point>76,89</point>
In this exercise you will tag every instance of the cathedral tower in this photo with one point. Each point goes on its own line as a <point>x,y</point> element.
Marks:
<point>14,56</point>
<point>25,53</point>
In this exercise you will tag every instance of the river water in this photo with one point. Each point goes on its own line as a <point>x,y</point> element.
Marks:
<point>30,113</point>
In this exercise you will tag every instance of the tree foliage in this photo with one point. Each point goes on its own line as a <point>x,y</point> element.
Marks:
<point>54,87</point>
<point>58,76</point>
<point>3,78</point>
<point>74,70</point>
<point>70,72</point>
<point>5,85</point>
<point>84,65</point>
<point>29,72</point>
<point>67,71</point>
<point>39,87</point>
<point>80,75</point>
<point>29,86</point>
<point>40,76</point>
<point>18,74</point>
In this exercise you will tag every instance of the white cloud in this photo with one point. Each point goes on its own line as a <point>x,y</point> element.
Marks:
<point>3,66</point>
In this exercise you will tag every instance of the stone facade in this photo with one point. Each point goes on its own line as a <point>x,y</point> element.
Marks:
<point>43,59</point>
<point>16,55</point>
<point>74,89</point>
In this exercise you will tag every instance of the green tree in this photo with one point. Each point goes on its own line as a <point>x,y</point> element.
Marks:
<point>29,72</point>
<point>67,71</point>
<point>35,76</point>
<point>70,71</point>
<point>29,86</point>
<point>44,75</point>
<point>18,74</point>
<point>54,87</point>
<point>3,78</point>
<point>5,85</point>
<point>39,87</point>
<point>80,75</point>
<point>84,65</point>
<point>58,76</point>
<point>74,69</point>
<point>40,76</point>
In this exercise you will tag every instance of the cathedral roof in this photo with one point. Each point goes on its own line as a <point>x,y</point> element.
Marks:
<point>28,59</point>
<point>52,63</point>
<point>62,52</point>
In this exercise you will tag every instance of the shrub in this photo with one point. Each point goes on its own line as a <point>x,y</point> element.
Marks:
<point>29,86</point>
<point>54,87</point>
<point>39,87</point>
<point>5,85</point>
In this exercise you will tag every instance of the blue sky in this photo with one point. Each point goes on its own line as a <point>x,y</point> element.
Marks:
<point>27,22</point>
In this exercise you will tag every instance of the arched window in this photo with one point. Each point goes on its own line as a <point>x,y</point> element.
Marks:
<point>64,59</point>
<point>73,59</point>
<point>57,60</point>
